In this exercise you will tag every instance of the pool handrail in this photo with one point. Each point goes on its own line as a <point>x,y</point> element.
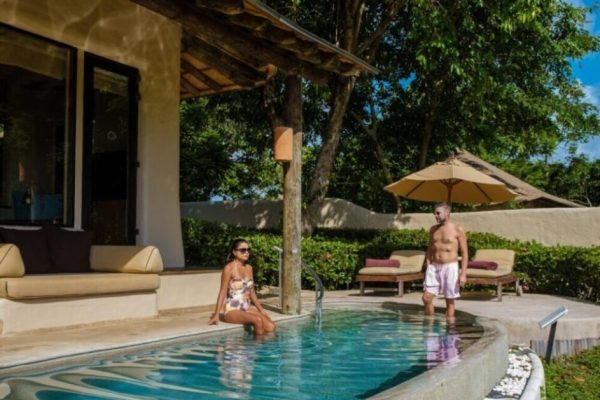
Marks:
<point>319,288</point>
<point>319,292</point>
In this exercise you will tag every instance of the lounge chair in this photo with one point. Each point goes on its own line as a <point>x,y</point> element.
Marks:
<point>503,274</point>
<point>411,269</point>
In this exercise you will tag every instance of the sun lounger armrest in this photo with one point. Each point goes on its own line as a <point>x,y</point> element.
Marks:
<point>11,262</point>
<point>135,259</point>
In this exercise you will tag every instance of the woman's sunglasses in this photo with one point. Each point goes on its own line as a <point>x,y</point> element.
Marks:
<point>243,250</point>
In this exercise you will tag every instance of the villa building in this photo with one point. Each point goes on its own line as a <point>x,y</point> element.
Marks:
<point>89,103</point>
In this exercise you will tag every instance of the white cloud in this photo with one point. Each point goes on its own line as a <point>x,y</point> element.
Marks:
<point>592,94</point>
<point>590,149</point>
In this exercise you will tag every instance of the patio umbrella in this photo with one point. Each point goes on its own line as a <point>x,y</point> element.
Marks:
<point>452,181</point>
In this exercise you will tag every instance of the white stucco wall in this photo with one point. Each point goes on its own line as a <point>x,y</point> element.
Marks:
<point>549,226</point>
<point>124,32</point>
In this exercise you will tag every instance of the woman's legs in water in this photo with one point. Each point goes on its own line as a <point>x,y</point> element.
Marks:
<point>268,325</point>
<point>261,324</point>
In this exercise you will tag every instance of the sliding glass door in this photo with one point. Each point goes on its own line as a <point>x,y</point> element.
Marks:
<point>110,151</point>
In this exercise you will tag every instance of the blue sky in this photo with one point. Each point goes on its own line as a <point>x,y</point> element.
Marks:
<point>587,71</point>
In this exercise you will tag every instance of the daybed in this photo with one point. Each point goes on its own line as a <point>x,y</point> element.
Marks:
<point>117,282</point>
<point>410,269</point>
<point>505,259</point>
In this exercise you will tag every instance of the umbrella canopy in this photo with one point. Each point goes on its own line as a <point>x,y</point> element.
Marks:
<point>452,181</point>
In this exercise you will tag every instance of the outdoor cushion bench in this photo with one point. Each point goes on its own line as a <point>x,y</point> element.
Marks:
<point>122,283</point>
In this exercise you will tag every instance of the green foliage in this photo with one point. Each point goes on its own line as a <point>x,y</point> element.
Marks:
<point>574,377</point>
<point>578,180</point>
<point>206,244</point>
<point>494,78</point>
<point>338,254</point>
<point>226,149</point>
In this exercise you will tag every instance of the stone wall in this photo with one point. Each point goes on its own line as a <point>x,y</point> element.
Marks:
<point>549,226</point>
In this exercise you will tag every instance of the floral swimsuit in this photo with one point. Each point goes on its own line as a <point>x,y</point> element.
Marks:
<point>238,295</point>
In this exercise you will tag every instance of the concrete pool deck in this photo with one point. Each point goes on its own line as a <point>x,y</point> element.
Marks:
<point>520,315</point>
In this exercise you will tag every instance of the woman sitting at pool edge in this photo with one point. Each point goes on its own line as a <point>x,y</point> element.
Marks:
<point>237,302</point>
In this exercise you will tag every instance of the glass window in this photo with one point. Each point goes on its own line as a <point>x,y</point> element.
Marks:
<point>110,151</point>
<point>36,129</point>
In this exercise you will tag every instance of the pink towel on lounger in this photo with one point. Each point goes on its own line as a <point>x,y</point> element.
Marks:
<point>386,262</point>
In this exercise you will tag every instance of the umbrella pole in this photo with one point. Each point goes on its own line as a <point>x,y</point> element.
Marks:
<point>450,185</point>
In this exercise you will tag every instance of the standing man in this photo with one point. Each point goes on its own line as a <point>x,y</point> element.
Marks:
<point>446,239</point>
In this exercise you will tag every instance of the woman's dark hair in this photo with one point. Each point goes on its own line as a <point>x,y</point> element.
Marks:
<point>234,245</point>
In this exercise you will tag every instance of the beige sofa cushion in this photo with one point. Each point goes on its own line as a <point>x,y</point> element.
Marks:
<point>504,258</point>
<point>71,285</point>
<point>11,262</point>
<point>134,259</point>
<point>411,261</point>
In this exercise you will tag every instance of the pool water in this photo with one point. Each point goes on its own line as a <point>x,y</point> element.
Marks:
<point>355,354</point>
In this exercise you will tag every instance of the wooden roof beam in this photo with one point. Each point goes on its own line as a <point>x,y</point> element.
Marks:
<point>240,73</point>
<point>229,7</point>
<point>242,47</point>
<point>250,63</point>
<point>261,28</point>
<point>249,22</point>
<point>201,76</point>
<point>189,87</point>
<point>235,43</point>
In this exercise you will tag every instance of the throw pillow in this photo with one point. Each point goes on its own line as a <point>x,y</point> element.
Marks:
<point>69,250</point>
<point>481,264</point>
<point>374,262</point>
<point>33,247</point>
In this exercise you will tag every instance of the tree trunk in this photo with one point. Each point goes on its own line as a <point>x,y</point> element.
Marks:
<point>292,200</point>
<point>371,131</point>
<point>350,20</point>
<point>430,115</point>
<point>426,138</point>
<point>380,155</point>
<point>324,166</point>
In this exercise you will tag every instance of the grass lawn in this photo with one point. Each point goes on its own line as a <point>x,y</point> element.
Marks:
<point>574,377</point>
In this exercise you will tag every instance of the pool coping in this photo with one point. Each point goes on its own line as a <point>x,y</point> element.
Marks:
<point>486,359</point>
<point>535,387</point>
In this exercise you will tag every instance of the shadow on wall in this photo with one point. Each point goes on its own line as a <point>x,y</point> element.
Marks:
<point>260,214</point>
<point>263,214</point>
<point>549,226</point>
<point>339,213</point>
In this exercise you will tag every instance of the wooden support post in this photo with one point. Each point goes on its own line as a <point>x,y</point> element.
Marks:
<point>292,199</point>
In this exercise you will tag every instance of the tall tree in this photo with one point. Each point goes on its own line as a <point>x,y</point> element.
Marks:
<point>491,77</point>
<point>359,28</point>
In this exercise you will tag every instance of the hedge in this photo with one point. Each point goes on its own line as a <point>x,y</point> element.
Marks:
<point>337,255</point>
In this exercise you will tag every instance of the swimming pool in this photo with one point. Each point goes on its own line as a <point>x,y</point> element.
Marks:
<point>356,354</point>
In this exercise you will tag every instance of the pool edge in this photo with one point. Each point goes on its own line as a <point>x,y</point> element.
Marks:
<point>67,360</point>
<point>482,365</point>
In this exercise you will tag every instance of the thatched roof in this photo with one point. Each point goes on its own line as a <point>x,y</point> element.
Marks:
<point>527,194</point>
<point>239,44</point>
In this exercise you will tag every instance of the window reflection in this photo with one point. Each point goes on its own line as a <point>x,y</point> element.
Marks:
<point>36,132</point>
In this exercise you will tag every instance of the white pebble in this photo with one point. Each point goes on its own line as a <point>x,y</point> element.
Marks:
<point>515,379</point>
